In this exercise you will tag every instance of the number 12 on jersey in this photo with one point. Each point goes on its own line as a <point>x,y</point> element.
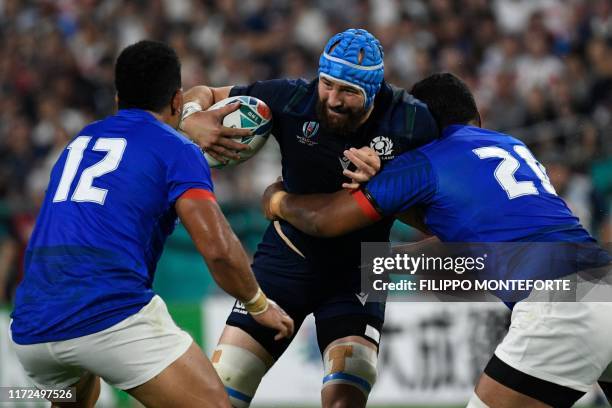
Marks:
<point>85,191</point>
<point>504,172</point>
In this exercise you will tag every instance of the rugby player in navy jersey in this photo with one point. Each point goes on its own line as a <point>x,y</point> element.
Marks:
<point>477,185</point>
<point>86,308</point>
<point>348,106</point>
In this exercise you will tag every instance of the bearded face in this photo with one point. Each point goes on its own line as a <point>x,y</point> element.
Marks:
<point>340,108</point>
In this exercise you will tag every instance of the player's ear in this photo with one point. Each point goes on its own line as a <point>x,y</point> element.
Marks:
<point>176,104</point>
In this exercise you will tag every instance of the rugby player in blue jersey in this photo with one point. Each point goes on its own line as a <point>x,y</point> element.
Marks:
<point>477,185</point>
<point>348,106</point>
<point>86,308</point>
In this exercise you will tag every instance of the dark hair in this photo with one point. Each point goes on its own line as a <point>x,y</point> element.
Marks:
<point>448,98</point>
<point>147,75</point>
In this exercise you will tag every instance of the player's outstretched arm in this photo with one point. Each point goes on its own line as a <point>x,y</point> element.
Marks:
<point>206,127</point>
<point>322,215</point>
<point>206,96</point>
<point>228,263</point>
<point>330,215</point>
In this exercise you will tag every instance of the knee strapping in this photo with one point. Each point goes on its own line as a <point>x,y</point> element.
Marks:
<point>240,371</point>
<point>350,363</point>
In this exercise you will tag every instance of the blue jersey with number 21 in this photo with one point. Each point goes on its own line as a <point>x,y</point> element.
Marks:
<point>476,185</point>
<point>108,210</point>
<point>480,186</point>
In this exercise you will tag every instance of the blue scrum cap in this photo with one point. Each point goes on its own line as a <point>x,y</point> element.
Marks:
<point>354,57</point>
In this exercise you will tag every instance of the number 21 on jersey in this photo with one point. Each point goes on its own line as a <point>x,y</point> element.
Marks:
<point>504,172</point>
<point>85,191</point>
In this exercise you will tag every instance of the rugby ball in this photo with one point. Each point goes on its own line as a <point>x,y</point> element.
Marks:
<point>253,114</point>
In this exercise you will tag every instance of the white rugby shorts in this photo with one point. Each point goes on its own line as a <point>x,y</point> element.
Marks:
<point>125,355</point>
<point>566,343</point>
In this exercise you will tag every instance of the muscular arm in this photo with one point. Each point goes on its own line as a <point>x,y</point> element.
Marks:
<point>401,189</point>
<point>331,215</point>
<point>325,215</point>
<point>215,240</point>
<point>206,96</point>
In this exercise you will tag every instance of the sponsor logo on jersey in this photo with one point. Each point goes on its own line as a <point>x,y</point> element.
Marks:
<point>344,162</point>
<point>383,146</point>
<point>362,297</point>
<point>239,308</point>
<point>309,130</point>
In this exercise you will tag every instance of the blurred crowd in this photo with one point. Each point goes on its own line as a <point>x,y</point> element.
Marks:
<point>541,70</point>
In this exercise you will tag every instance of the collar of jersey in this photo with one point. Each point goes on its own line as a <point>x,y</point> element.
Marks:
<point>134,112</point>
<point>452,129</point>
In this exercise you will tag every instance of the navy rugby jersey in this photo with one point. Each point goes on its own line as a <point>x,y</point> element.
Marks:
<point>313,160</point>
<point>107,212</point>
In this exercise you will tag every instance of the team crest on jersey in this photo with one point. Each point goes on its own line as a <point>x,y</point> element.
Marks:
<point>383,146</point>
<point>309,130</point>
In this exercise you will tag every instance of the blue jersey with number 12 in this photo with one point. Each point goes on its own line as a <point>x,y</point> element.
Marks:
<point>108,210</point>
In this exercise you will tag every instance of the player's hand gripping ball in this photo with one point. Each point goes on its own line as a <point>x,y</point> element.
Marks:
<point>253,114</point>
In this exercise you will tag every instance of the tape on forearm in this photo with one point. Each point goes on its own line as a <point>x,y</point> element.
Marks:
<point>258,304</point>
<point>189,109</point>
<point>275,203</point>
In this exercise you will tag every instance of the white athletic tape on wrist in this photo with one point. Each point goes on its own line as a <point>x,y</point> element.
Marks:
<point>190,108</point>
<point>255,298</point>
<point>258,304</point>
<point>350,363</point>
<point>240,371</point>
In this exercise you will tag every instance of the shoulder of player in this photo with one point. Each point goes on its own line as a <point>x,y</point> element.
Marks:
<point>513,140</point>
<point>93,127</point>
<point>296,96</point>
<point>411,158</point>
<point>285,83</point>
<point>289,85</point>
<point>283,95</point>
<point>166,136</point>
<point>154,136</point>
<point>463,138</point>
<point>404,110</point>
<point>401,98</point>
<point>416,164</point>
<point>279,88</point>
<point>480,134</point>
<point>293,83</point>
